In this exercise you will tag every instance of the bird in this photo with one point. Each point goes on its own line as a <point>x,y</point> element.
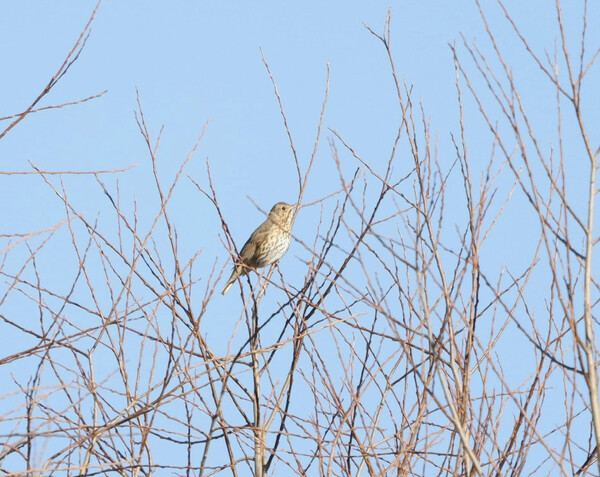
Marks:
<point>267,244</point>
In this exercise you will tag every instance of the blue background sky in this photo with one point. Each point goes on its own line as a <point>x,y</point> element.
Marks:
<point>200,61</point>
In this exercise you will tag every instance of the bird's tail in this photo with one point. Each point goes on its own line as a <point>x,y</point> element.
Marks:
<point>228,285</point>
<point>237,271</point>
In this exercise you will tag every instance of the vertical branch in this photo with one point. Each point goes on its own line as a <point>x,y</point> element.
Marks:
<point>591,373</point>
<point>259,431</point>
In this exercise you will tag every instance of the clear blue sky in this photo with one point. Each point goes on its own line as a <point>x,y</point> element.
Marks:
<point>199,61</point>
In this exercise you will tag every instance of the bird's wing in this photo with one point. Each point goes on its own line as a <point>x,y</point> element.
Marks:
<point>248,249</point>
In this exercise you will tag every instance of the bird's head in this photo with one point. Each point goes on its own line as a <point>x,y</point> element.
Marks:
<point>282,212</point>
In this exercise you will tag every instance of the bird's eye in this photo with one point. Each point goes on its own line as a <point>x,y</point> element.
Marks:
<point>283,207</point>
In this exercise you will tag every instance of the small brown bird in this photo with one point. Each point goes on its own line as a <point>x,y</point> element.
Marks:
<point>267,244</point>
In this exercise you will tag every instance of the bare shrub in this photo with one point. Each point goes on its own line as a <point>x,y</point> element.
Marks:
<point>440,319</point>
